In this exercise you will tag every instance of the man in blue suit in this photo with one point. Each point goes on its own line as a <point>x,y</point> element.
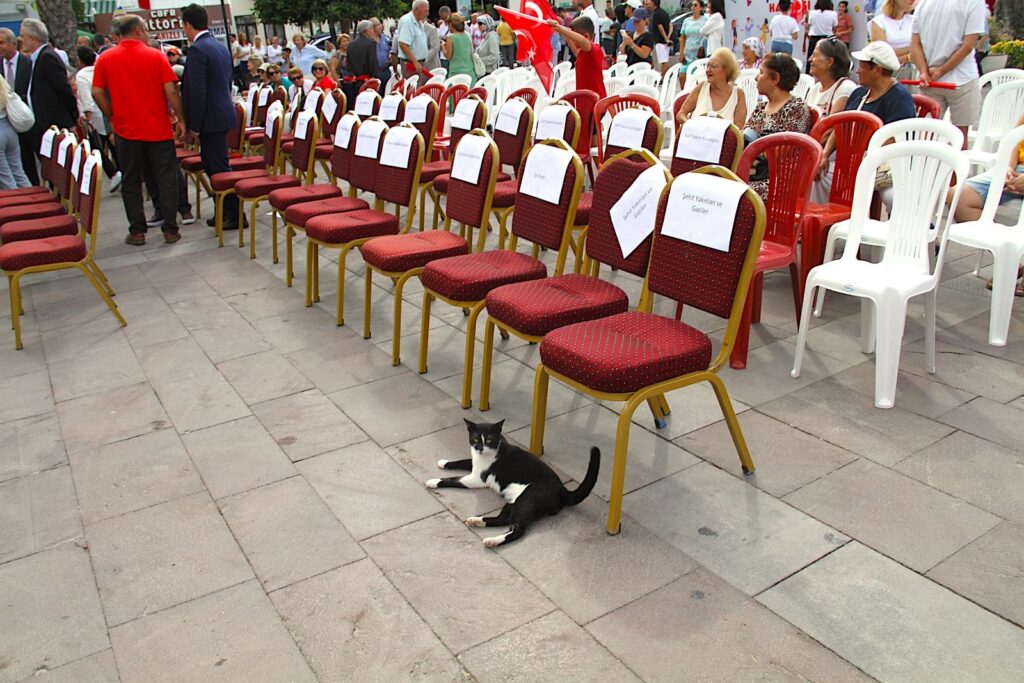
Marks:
<point>206,95</point>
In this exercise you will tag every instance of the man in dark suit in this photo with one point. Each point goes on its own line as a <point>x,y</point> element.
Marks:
<point>17,69</point>
<point>49,93</point>
<point>206,96</point>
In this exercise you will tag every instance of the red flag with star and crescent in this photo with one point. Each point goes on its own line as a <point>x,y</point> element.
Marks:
<point>534,35</point>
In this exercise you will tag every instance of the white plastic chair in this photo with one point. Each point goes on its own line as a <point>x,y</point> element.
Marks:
<point>748,84</point>
<point>440,71</point>
<point>565,84</point>
<point>614,84</point>
<point>999,114</point>
<point>458,79</point>
<point>921,170</point>
<point>561,70</point>
<point>619,69</point>
<point>1004,242</point>
<point>803,87</point>
<point>411,83</point>
<point>647,77</point>
<point>434,79</point>
<point>669,87</point>
<point>620,58</point>
<point>648,90</point>
<point>875,232</point>
<point>639,66</point>
<point>391,83</point>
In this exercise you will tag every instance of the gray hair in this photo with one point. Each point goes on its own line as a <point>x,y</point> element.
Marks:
<point>128,24</point>
<point>416,4</point>
<point>364,26</point>
<point>36,29</point>
<point>7,34</point>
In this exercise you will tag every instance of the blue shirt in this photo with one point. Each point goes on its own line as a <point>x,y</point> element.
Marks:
<point>895,105</point>
<point>305,57</point>
<point>411,33</point>
<point>383,49</point>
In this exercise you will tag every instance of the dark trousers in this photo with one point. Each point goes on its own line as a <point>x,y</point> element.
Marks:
<point>153,188</point>
<point>213,150</point>
<point>101,143</point>
<point>29,150</point>
<point>158,159</point>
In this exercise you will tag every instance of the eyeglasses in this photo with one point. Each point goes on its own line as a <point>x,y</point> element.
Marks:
<point>319,68</point>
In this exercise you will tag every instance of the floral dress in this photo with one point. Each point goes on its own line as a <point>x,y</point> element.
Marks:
<point>694,40</point>
<point>793,117</point>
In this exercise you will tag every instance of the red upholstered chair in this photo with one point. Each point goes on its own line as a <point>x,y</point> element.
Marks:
<point>47,146</point>
<point>313,102</point>
<point>404,256</point>
<point>428,129</point>
<point>732,148</point>
<point>474,109</point>
<point>255,133</point>
<point>255,190</point>
<point>370,84</point>
<point>392,109</point>
<point>45,205</point>
<point>442,142</point>
<point>639,357</point>
<point>299,204</point>
<point>434,91</point>
<point>464,281</point>
<point>793,159</point>
<point>926,107</point>
<point>34,226</point>
<point>653,135</point>
<point>61,252</point>
<point>529,95</point>
<point>612,105</point>
<point>851,130</point>
<point>531,309</point>
<point>194,170</point>
<point>328,125</point>
<point>367,103</point>
<point>512,148</point>
<point>584,101</point>
<point>351,229</point>
<point>223,184</point>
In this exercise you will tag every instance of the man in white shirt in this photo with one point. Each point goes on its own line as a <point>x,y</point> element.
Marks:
<point>945,33</point>
<point>412,39</point>
<point>274,51</point>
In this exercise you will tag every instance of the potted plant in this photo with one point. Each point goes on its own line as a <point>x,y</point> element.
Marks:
<point>1009,52</point>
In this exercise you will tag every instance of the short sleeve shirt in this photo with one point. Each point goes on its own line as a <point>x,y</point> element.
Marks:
<point>134,74</point>
<point>942,26</point>
<point>411,33</point>
<point>643,40</point>
<point>589,70</point>
<point>896,104</point>
<point>661,19</point>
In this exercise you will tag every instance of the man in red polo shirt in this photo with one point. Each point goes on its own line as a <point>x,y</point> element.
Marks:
<point>133,85</point>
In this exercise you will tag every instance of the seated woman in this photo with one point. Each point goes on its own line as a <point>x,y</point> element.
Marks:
<point>830,64</point>
<point>320,77</point>
<point>781,113</point>
<point>718,95</point>
<point>752,53</point>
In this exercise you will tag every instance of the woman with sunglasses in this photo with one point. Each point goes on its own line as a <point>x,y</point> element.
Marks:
<point>691,41</point>
<point>320,78</point>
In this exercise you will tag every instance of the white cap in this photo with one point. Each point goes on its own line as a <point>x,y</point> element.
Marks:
<point>880,53</point>
<point>635,4</point>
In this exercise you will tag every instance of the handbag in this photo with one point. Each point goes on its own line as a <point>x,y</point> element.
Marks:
<point>18,113</point>
<point>478,66</point>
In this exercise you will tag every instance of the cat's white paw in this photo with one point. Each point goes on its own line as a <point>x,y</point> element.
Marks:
<point>441,463</point>
<point>433,483</point>
<point>493,541</point>
<point>475,521</point>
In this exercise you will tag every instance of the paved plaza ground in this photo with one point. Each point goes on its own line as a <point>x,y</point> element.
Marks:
<point>231,488</point>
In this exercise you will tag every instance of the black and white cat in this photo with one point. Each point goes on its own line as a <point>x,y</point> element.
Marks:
<point>531,489</point>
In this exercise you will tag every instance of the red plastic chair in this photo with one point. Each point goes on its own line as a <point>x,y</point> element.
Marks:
<point>480,92</point>
<point>529,95</point>
<point>584,101</point>
<point>793,159</point>
<point>852,131</point>
<point>815,116</point>
<point>530,310</point>
<point>434,90</point>
<point>398,87</point>
<point>370,84</point>
<point>464,281</point>
<point>926,107</point>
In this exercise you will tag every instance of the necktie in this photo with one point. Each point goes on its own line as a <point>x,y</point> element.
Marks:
<point>10,72</point>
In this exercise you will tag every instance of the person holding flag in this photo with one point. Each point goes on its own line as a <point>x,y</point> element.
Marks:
<point>579,36</point>
<point>534,35</point>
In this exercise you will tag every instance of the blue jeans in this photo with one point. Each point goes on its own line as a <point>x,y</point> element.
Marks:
<point>782,46</point>
<point>981,184</point>
<point>12,174</point>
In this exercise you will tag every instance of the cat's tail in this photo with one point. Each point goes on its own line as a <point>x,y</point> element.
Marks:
<point>587,485</point>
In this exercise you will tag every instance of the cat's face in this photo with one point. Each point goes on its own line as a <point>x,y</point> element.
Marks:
<point>484,436</point>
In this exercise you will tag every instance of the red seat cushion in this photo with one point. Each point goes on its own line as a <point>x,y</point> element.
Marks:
<point>539,306</point>
<point>261,187</point>
<point>34,189</point>
<point>27,211</point>
<point>23,199</point>
<point>337,228</point>
<point>183,154</point>
<point>255,138</point>
<point>247,164</point>
<point>37,228</point>
<point>583,208</point>
<point>192,164</point>
<point>441,181</point>
<point>625,352</point>
<point>287,146</point>
<point>432,169</point>
<point>287,196</point>
<point>399,253</point>
<point>226,181</point>
<point>26,253</point>
<point>471,277</point>
<point>505,194</point>
<point>324,151</point>
<point>300,214</point>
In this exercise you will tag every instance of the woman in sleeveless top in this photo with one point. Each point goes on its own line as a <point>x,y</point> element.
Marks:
<point>459,50</point>
<point>895,25</point>
<point>718,95</point>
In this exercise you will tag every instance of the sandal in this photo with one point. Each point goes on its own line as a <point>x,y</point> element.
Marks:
<point>1019,291</point>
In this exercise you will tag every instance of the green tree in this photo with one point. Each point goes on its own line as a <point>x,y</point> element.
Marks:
<point>1011,13</point>
<point>59,18</point>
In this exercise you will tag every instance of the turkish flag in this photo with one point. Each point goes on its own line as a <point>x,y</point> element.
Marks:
<point>534,35</point>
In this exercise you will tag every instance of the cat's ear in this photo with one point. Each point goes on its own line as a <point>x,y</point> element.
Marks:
<point>470,425</point>
<point>497,425</point>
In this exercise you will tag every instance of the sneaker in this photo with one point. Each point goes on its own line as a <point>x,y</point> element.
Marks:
<point>135,239</point>
<point>172,237</point>
<point>115,182</point>
<point>156,221</point>
<point>187,218</point>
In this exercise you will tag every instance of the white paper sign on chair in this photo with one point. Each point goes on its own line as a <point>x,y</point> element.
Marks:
<point>633,215</point>
<point>90,164</point>
<point>364,102</point>
<point>312,100</point>
<point>397,145</point>
<point>76,161</point>
<point>62,150</point>
<point>264,96</point>
<point>469,158</point>
<point>544,172</point>
<point>329,108</point>
<point>551,124</point>
<point>273,114</point>
<point>509,116</point>
<point>302,123</point>
<point>46,146</point>
<point>628,128</point>
<point>389,107</point>
<point>343,133</point>
<point>465,111</point>
<point>416,109</point>
<point>368,138</point>
<point>702,209</point>
<point>701,139</point>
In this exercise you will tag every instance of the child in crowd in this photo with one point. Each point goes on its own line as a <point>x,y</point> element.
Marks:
<point>579,36</point>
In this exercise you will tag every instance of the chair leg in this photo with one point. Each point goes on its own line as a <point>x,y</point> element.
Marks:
<point>289,269</point>
<point>485,371</point>
<point>666,410</point>
<point>756,289</point>
<point>91,265</point>
<point>218,218</point>
<point>428,299</point>
<point>368,278</point>
<point>396,332</point>
<point>467,369</point>
<point>252,231</point>
<point>16,309</point>
<point>979,263</point>
<point>801,335</point>
<point>725,403</point>
<point>929,330</point>
<point>890,319</point>
<point>423,207</point>
<point>868,325</point>
<point>830,248</point>
<point>738,357</point>
<point>273,235</point>
<point>339,317</point>
<point>316,273</point>
<point>1004,284</point>
<point>102,292</point>
<point>540,409</point>
<point>619,466</point>
<point>794,276</point>
<point>309,274</point>
<point>659,416</point>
